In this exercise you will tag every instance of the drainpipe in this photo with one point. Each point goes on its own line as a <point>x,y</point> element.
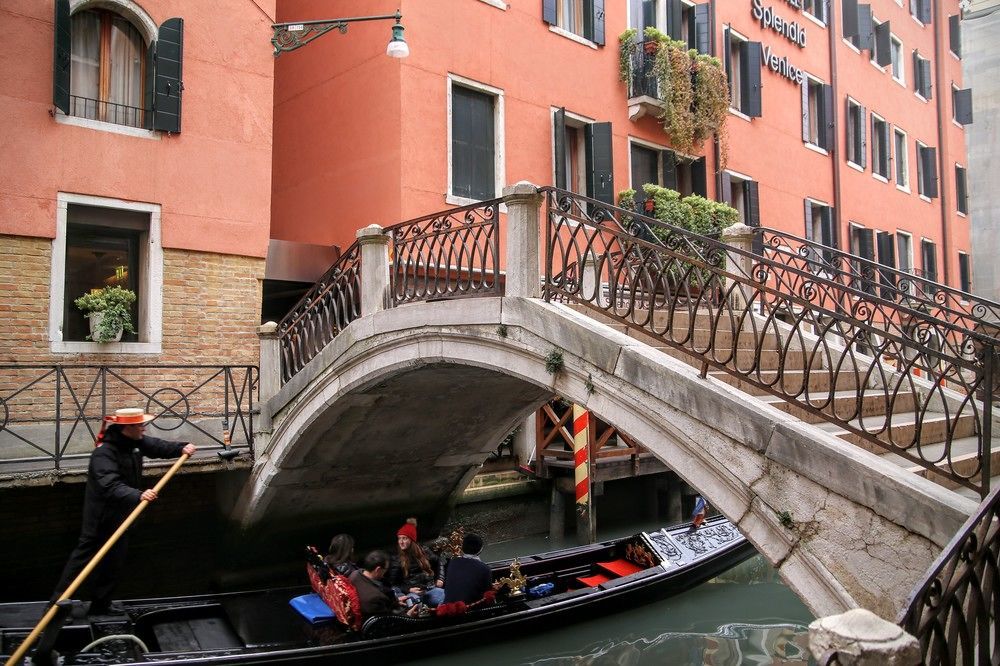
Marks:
<point>939,76</point>
<point>835,148</point>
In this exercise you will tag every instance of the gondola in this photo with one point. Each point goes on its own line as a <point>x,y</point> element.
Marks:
<point>535,593</point>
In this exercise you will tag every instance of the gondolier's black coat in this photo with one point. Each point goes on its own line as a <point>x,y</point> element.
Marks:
<point>113,480</point>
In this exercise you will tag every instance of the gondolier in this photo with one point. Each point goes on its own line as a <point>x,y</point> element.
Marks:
<point>114,477</point>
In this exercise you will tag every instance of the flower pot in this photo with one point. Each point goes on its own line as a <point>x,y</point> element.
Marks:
<point>95,322</point>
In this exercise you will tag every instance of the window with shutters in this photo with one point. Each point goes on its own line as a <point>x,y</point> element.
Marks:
<point>898,67</point>
<point>582,155</point>
<point>955,34</point>
<point>677,18</point>
<point>922,83</point>
<point>902,159</point>
<point>657,165</point>
<point>817,107</point>
<point>743,65</point>
<point>904,258</point>
<point>961,105</point>
<point>881,47</point>
<point>926,171</point>
<point>964,273</point>
<point>928,258</point>
<point>856,139</point>
<point>113,65</point>
<point>862,36</point>
<point>741,192</point>
<point>862,244</point>
<point>819,227</point>
<point>102,243</point>
<point>475,141</point>
<point>880,147</point>
<point>576,18</point>
<point>920,10</point>
<point>816,9</point>
<point>961,190</point>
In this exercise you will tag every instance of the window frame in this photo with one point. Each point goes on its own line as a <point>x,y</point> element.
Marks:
<point>816,18</point>
<point>887,156</point>
<point>150,324</point>
<point>855,154</point>
<point>964,276</point>
<point>904,186</point>
<point>578,122</point>
<point>817,112</point>
<point>962,202</point>
<point>499,137</point>
<point>895,41</point>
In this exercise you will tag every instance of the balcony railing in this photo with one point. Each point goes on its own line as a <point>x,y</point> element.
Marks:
<point>643,82</point>
<point>108,112</point>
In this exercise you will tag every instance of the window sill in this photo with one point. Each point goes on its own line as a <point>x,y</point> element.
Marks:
<point>60,347</point>
<point>901,82</point>
<point>572,36</point>
<point>856,167</point>
<point>851,46</point>
<point>924,197</point>
<point>107,127</point>
<point>958,124</point>
<point>954,55</point>
<point>454,200</point>
<point>740,114</point>
<point>961,214</point>
<point>816,149</point>
<point>812,18</point>
<point>499,4</point>
<point>920,97</point>
<point>903,188</point>
<point>877,66</point>
<point>917,21</point>
<point>879,177</point>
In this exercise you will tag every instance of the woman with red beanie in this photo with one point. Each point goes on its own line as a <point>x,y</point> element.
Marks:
<point>411,571</point>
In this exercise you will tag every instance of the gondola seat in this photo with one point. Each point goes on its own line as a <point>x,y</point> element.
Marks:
<point>593,581</point>
<point>620,567</point>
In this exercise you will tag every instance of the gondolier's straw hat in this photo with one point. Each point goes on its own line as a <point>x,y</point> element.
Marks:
<point>129,416</point>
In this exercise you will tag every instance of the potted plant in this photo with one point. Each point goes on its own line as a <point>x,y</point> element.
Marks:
<point>109,311</point>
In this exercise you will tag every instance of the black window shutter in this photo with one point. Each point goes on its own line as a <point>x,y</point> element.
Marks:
<point>866,244</point>
<point>851,134</point>
<point>964,276</point>
<point>669,162</point>
<point>850,18</point>
<point>597,34</point>
<point>925,12</point>
<point>930,260</point>
<point>866,28</point>
<point>883,44</point>
<point>752,197</point>
<point>559,141</point>
<point>826,118</point>
<point>929,156</point>
<point>961,195</point>
<point>168,80</point>
<point>726,189</point>
<point>886,245</point>
<point>702,36</point>
<point>925,78</point>
<point>828,234</point>
<point>750,73</point>
<point>675,18</point>
<point>699,177</point>
<point>863,136</point>
<point>549,12</point>
<point>600,177</point>
<point>955,34</point>
<point>62,52</point>
<point>727,57</point>
<point>473,148</point>
<point>963,106</point>
<point>806,134</point>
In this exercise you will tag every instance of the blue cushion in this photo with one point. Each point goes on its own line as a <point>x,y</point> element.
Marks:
<point>312,608</point>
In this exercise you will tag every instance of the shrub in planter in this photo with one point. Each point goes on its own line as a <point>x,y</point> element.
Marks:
<point>110,311</point>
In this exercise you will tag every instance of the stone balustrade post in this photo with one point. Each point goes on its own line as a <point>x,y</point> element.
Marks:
<point>740,237</point>
<point>524,264</point>
<point>269,381</point>
<point>862,638</point>
<point>590,288</point>
<point>374,245</point>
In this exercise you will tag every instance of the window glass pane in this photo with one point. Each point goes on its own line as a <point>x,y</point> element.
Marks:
<point>644,169</point>
<point>85,67</point>
<point>127,54</point>
<point>472,144</point>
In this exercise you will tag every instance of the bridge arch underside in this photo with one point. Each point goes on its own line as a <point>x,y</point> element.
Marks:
<point>394,416</point>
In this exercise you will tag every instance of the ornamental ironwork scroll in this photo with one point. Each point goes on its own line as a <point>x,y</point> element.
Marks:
<point>776,328</point>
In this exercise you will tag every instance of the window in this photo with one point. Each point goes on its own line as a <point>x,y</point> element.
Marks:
<point>863,38</point>
<point>475,141</point>
<point>904,257</point>
<point>680,19</point>
<point>863,246</point>
<point>880,147</point>
<point>856,140</point>
<point>583,18</point>
<point>928,256</point>
<point>105,242</point>
<point>922,84</point>
<point>816,8</point>
<point>817,107</point>
<point>885,245</point>
<point>659,166</point>
<point>583,157</point>
<point>961,105</point>
<point>964,274</point>
<point>881,53</point>
<point>743,63</point>
<point>902,159</point>
<point>955,34</point>
<point>898,70</point>
<point>926,171</point>
<point>819,227</point>
<point>921,10</point>
<point>118,67</point>
<point>741,193</point>
<point>961,190</point>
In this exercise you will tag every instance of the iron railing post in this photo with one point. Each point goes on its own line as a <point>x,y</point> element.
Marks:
<point>987,445</point>
<point>58,435</point>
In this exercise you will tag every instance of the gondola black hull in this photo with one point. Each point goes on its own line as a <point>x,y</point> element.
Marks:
<point>258,627</point>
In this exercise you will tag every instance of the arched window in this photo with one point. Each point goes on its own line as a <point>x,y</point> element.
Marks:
<point>108,70</point>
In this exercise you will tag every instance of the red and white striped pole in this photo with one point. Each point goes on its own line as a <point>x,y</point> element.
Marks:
<point>581,470</point>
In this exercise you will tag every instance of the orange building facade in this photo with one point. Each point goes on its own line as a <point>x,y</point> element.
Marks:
<point>823,141</point>
<point>136,153</point>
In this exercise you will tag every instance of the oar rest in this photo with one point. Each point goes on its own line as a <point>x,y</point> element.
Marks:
<point>334,589</point>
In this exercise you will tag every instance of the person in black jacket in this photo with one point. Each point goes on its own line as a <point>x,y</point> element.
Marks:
<point>113,480</point>
<point>468,578</point>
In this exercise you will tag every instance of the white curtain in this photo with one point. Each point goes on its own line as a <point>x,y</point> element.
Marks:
<point>127,55</point>
<point>85,72</point>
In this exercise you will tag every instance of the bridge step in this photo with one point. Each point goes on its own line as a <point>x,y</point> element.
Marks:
<point>934,429</point>
<point>964,452</point>
<point>791,381</point>
<point>845,404</point>
<point>745,358</point>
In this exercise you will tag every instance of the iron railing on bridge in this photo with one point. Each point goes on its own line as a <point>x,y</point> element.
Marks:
<point>50,414</point>
<point>776,326</point>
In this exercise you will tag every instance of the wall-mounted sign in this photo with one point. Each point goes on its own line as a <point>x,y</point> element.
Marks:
<point>790,30</point>
<point>781,65</point>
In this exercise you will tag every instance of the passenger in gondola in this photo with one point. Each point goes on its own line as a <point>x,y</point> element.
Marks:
<point>468,577</point>
<point>373,596</point>
<point>340,556</point>
<point>412,570</point>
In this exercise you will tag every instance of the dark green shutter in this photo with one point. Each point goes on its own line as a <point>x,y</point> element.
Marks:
<point>597,33</point>
<point>925,12</point>
<point>750,64</point>
<point>883,44</point>
<point>925,79</point>
<point>62,52</point>
<point>961,190</point>
<point>168,85</point>
<point>928,156</point>
<point>473,154</point>
<point>702,34</point>
<point>600,176</point>
<point>549,12</point>
<point>726,189</point>
<point>962,99</point>
<point>675,18</point>
<point>669,162</point>
<point>751,194</point>
<point>885,243</point>
<point>727,58</point>
<point>850,18</point>
<point>964,275</point>
<point>559,140</point>
<point>149,87</point>
<point>863,136</point>
<point>826,117</point>
<point>828,234</point>
<point>699,177</point>
<point>955,34</point>
<point>866,29</point>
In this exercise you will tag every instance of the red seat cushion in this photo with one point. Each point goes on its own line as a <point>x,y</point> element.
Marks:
<point>620,567</point>
<point>593,581</point>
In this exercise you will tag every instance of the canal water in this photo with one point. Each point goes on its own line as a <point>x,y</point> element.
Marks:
<point>746,616</point>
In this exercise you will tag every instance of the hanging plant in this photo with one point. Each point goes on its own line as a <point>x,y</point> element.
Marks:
<point>625,42</point>
<point>711,103</point>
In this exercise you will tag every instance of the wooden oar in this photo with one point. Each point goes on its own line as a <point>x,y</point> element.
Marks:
<point>94,561</point>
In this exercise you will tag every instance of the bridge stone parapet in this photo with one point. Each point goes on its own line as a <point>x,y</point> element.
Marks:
<point>395,415</point>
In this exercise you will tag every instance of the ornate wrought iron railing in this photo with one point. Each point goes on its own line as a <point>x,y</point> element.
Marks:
<point>325,310</point>
<point>451,254</point>
<point>759,321</point>
<point>954,610</point>
<point>641,56</point>
<point>51,414</point>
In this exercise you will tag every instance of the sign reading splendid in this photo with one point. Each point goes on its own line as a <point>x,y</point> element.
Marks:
<point>790,30</point>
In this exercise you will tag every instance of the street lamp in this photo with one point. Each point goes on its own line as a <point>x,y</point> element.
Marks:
<point>290,36</point>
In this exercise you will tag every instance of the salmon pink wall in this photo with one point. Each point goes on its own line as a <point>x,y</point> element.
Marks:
<point>212,179</point>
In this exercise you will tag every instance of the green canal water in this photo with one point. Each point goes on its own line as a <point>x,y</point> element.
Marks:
<point>746,616</point>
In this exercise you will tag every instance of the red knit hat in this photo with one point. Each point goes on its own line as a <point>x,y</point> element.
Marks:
<point>409,529</point>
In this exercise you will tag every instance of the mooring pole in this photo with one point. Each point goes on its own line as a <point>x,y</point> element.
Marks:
<point>585,531</point>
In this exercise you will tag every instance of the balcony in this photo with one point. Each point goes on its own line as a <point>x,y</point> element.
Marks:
<point>643,87</point>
